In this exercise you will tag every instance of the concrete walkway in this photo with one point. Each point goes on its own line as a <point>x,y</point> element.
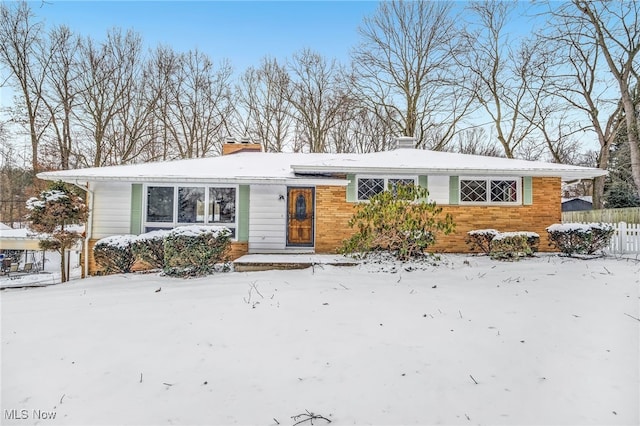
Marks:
<point>266,262</point>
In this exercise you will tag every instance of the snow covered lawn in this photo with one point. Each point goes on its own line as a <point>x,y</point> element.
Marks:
<point>472,341</point>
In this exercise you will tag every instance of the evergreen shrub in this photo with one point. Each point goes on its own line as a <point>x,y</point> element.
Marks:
<point>503,245</point>
<point>149,248</point>
<point>480,239</point>
<point>195,250</point>
<point>514,245</point>
<point>580,238</point>
<point>114,254</point>
<point>400,221</point>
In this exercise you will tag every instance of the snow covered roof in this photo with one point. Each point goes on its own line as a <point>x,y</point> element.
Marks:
<point>260,167</point>
<point>244,167</point>
<point>417,161</point>
<point>18,239</point>
<point>587,198</point>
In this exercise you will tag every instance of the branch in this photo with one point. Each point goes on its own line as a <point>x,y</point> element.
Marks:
<point>630,316</point>
<point>308,417</point>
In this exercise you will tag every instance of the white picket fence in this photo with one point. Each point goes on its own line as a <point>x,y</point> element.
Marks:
<point>626,238</point>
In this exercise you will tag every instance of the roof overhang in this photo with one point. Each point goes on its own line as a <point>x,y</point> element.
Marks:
<point>85,179</point>
<point>567,174</point>
<point>18,243</point>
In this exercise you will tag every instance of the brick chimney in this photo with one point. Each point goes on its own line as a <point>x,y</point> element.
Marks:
<point>231,146</point>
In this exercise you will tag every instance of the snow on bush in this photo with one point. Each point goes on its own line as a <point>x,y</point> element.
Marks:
<point>514,245</point>
<point>480,239</point>
<point>400,222</point>
<point>114,254</point>
<point>149,247</point>
<point>50,196</point>
<point>195,250</point>
<point>533,239</point>
<point>503,245</point>
<point>580,238</point>
<point>55,215</point>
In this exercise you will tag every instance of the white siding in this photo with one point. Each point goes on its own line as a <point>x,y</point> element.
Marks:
<point>111,209</point>
<point>267,218</point>
<point>438,186</point>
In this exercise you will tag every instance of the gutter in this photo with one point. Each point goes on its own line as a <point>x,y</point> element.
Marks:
<point>199,180</point>
<point>565,175</point>
<point>89,228</point>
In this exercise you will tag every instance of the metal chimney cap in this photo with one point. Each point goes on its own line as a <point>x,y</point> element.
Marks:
<point>405,142</point>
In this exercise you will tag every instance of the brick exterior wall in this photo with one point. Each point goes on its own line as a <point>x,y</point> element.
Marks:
<point>332,218</point>
<point>333,213</point>
<point>545,211</point>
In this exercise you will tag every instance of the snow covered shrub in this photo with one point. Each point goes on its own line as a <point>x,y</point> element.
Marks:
<point>149,248</point>
<point>580,238</point>
<point>481,239</point>
<point>500,245</point>
<point>114,254</point>
<point>399,221</point>
<point>195,250</point>
<point>514,245</point>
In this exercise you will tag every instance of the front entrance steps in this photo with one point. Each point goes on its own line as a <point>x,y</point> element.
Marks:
<point>267,262</point>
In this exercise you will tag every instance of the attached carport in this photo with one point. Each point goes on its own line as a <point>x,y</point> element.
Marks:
<point>19,240</point>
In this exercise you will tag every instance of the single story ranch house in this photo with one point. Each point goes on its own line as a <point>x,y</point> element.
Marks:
<point>302,202</point>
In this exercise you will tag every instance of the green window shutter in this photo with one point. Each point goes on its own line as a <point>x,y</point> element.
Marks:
<point>352,189</point>
<point>527,191</point>
<point>422,181</point>
<point>242,233</point>
<point>136,209</point>
<point>454,190</point>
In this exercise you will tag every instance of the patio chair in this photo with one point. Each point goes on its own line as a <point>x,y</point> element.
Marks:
<point>6,264</point>
<point>13,267</point>
<point>27,268</point>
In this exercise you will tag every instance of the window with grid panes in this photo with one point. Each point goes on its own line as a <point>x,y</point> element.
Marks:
<point>473,191</point>
<point>489,190</point>
<point>393,183</point>
<point>368,187</point>
<point>504,191</point>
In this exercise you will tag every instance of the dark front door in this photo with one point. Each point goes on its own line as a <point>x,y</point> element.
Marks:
<point>300,211</point>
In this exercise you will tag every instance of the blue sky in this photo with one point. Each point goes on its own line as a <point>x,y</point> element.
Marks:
<point>241,31</point>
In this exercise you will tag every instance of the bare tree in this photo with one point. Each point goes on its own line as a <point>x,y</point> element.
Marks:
<point>405,69</point>
<point>130,132</point>
<point>198,105</point>
<point>475,141</point>
<point>504,75</point>
<point>162,71</point>
<point>616,30</point>
<point>578,81</point>
<point>20,40</point>
<point>318,96</point>
<point>370,131</point>
<point>263,93</point>
<point>61,92</point>
<point>107,77</point>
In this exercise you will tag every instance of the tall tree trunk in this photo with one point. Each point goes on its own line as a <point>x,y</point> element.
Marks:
<point>63,266</point>
<point>632,138</point>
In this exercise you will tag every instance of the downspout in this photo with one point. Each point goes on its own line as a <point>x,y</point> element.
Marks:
<point>89,230</point>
